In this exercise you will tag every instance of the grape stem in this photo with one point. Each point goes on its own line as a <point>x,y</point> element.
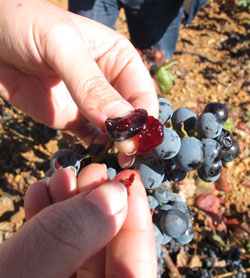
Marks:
<point>184,133</point>
<point>99,158</point>
<point>171,266</point>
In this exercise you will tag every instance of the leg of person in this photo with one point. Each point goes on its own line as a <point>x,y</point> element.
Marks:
<point>103,11</point>
<point>154,23</point>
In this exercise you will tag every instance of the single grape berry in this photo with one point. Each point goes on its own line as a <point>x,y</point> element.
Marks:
<point>150,135</point>
<point>165,110</point>
<point>174,223</point>
<point>65,158</point>
<point>183,116</point>
<point>191,155</point>
<point>225,139</point>
<point>122,128</point>
<point>212,151</point>
<point>208,125</point>
<point>187,236</point>
<point>151,171</point>
<point>232,153</point>
<point>170,145</point>
<point>219,109</point>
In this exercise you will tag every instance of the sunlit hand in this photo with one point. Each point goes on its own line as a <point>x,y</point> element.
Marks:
<point>87,225</point>
<point>67,71</point>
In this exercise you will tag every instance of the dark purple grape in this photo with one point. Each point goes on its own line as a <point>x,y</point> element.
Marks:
<point>207,178</point>
<point>170,145</point>
<point>165,110</point>
<point>165,207</point>
<point>211,170</point>
<point>152,172</point>
<point>187,236</point>
<point>232,153</point>
<point>174,223</point>
<point>65,158</point>
<point>95,149</point>
<point>153,69</point>
<point>162,196</point>
<point>184,116</point>
<point>177,175</point>
<point>191,154</point>
<point>225,139</point>
<point>79,149</point>
<point>212,151</point>
<point>219,109</point>
<point>208,126</point>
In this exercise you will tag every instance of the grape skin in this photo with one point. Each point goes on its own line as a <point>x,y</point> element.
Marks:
<point>170,145</point>
<point>191,155</point>
<point>66,158</point>
<point>187,236</point>
<point>219,109</point>
<point>208,125</point>
<point>162,196</point>
<point>152,172</point>
<point>232,153</point>
<point>165,110</point>
<point>186,116</point>
<point>174,223</point>
<point>212,150</point>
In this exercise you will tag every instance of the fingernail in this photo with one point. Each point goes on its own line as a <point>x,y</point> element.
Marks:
<point>104,166</point>
<point>111,197</point>
<point>72,168</point>
<point>118,109</point>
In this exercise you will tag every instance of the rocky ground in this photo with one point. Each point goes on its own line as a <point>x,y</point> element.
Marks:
<point>212,65</point>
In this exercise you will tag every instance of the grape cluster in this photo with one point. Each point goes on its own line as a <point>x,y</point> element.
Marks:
<point>169,147</point>
<point>197,143</point>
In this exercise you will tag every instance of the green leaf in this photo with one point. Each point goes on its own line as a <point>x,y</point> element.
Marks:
<point>218,239</point>
<point>228,125</point>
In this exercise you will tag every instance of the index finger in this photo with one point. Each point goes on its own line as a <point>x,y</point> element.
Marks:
<point>132,253</point>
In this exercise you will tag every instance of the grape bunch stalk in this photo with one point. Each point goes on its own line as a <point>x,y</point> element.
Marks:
<point>169,147</point>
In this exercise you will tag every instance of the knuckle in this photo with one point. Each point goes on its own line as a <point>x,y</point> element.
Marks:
<point>59,226</point>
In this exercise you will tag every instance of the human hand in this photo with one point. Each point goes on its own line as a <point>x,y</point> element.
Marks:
<point>86,225</point>
<point>67,71</point>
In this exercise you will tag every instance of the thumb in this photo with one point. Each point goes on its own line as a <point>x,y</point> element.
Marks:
<point>94,96</point>
<point>56,241</point>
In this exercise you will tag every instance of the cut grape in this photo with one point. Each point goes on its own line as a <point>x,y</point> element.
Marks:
<point>149,130</point>
<point>150,136</point>
<point>122,128</point>
<point>153,203</point>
